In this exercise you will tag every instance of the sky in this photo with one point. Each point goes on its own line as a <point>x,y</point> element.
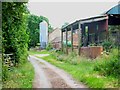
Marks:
<point>60,12</point>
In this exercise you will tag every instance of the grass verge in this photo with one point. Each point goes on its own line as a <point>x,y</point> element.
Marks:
<point>84,72</point>
<point>20,77</point>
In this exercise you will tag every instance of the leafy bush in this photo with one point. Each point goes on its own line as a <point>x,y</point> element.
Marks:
<point>114,33</point>
<point>14,35</point>
<point>19,77</point>
<point>4,72</point>
<point>49,47</point>
<point>14,23</point>
<point>33,29</point>
<point>110,65</point>
<point>71,58</point>
<point>74,61</point>
<point>107,45</point>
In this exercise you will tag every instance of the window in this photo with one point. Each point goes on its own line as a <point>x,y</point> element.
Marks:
<point>86,30</point>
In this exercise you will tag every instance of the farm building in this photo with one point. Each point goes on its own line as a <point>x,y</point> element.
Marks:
<point>114,15</point>
<point>90,31</point>
<point>114,21</point>
<point>55,38</point>
<point>86,31</point>
<point>43,34</point>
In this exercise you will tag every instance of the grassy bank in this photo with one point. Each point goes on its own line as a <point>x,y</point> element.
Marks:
<point>83,69</point>
<point>20,77</point>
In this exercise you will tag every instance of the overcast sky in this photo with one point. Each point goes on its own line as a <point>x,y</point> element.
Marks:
<point>60,12</point>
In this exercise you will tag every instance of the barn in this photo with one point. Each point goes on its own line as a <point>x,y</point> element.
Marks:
<point>90,31</point>
<point>86,31</point>
<point>113,15</point>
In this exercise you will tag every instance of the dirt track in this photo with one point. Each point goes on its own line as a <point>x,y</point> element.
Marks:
<point>49,76</point>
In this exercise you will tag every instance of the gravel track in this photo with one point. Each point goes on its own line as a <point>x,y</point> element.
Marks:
<point>49,76</point>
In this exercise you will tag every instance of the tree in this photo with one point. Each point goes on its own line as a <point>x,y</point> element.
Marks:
<point>45,19</point>
<point>33,28</point>
<point>50,28</point>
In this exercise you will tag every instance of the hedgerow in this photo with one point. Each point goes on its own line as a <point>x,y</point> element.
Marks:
<point>14,35</point>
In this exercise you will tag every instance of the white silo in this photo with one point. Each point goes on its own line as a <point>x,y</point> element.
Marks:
<point>43,34</point>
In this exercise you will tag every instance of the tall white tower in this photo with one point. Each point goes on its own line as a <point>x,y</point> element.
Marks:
<point>43,34</point>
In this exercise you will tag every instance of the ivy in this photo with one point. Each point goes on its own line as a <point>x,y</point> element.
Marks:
<point>14,23</point>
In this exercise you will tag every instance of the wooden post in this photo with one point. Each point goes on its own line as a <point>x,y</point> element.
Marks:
<point>62,40</point>
<point>71,38</point>
<point>66,41</point>
<point>79,38</point>
<point>107,33</point>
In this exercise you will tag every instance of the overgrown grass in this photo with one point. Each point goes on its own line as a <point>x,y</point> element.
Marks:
<point>20,77</point>
<point>82,69</point>
<point>109,65</point>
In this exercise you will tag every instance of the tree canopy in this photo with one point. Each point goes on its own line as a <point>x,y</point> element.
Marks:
<point>33,28</point>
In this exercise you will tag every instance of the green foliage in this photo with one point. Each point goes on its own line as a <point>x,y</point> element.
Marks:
<point>114,33</point>
<point>15,37</point>
<point>114,28</point>
<point>32,52</point>
<point>4,72</point>
<point>107,45</point>
<point>83,71</point>
<point>50,28</point>
<point>92,44</point>
<point>45,19</point>
<point>20,77</point>
<point>72,58</point>
<point>33,30</point>
<point>49,47</point>
<point>109,66</point>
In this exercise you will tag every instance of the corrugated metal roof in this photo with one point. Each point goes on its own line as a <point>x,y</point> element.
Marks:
<point>91,19</point>
<point>114,10</point>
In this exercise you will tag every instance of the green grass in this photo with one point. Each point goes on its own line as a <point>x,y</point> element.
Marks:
<point>20,77</point>
<point>82,70</point>
<point>32,52</point>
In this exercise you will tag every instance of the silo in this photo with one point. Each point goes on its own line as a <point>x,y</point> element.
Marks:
<point>43,34</point>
